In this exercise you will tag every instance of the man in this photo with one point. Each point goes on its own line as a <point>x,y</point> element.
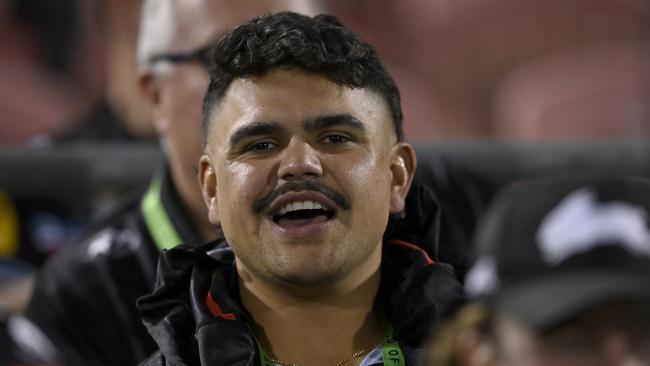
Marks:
<point>562,275</point>
<point>304,164</point>
<point>84,300</point>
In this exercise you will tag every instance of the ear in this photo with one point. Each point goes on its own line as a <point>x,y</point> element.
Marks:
<point>472,349</point>
<point>402,167</point>
<point>150,86</point>
<point>208,182</point>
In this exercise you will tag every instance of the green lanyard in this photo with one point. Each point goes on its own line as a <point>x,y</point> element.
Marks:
<point>390,351</point>
<point>160,226</point>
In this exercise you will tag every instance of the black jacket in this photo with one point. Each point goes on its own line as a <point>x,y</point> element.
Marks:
<point>196,317</point>
<point>417,287</point>
<point>84,299</point>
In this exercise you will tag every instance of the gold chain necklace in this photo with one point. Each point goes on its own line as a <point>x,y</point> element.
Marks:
<point>345,359</point>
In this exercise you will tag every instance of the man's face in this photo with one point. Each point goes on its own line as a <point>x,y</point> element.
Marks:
<point>303,174</point>
<point>176,88</point>
<point>613,334</point>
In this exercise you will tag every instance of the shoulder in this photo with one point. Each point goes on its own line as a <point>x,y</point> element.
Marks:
<point>121,237</point>
<point>84,298</point>
<point>114,253</point>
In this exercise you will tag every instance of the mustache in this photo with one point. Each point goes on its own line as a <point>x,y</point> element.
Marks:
<point>263,203</point>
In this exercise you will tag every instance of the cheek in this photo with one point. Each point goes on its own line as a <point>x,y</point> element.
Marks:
<point>192,143</point>
<point>185,106</point>
<point>186,97</point>
<point>370,182</point>
<point>186,136</point>
<point>239,186</point>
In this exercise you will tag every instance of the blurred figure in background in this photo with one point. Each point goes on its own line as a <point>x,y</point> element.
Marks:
<point>84,300</point>
<point>49,67</point>
<point>61,66</point>
<point>596,90</point>
<point>49,63</point>
<point>451,59</point>
<point>58,60</point>
<point>120,28</point>
<point>562,278</point>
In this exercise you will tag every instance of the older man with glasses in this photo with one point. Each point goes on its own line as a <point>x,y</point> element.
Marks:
<point>84,300</point>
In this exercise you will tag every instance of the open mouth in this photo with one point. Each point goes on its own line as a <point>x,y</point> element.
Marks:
<point>302,213</point>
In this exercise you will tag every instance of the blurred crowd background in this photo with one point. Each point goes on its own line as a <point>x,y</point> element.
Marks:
<point>75,134</point>
<point>510,87</point>
<point>526,69</point>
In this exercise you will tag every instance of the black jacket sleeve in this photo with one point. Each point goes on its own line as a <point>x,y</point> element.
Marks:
<point>84,299</point>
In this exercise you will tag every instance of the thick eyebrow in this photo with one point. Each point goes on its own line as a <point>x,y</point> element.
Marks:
<point>255,129</point>
<point>334,120</point>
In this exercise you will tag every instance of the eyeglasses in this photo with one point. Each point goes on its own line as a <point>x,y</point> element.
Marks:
<point>203,55</point>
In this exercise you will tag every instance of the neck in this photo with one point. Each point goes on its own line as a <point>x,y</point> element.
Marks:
<point>316,326</point>
<point>189,193</point>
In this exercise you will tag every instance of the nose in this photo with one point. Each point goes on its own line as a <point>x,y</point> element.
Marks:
<point>299,161</point>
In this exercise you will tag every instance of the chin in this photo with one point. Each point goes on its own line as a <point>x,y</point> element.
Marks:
<point>310,277</point>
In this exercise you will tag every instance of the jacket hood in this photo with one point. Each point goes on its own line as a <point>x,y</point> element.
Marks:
<point>416,291</point>
<point>183,317</point>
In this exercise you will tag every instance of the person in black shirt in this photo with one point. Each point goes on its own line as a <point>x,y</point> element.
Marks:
<point>304,167</point>
<point>84,300</point>
<point>560,277</point>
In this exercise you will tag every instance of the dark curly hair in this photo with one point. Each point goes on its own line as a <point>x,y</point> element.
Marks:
<point>320,45</point>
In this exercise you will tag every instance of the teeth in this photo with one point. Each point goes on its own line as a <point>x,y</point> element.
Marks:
<point>302,205</point>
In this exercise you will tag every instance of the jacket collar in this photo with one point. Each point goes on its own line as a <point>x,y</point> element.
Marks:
<point>416,291</point>
<point>195,311</point>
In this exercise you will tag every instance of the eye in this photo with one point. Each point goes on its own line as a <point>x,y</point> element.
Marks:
<point>335,139</point>
<point>261,146</point>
